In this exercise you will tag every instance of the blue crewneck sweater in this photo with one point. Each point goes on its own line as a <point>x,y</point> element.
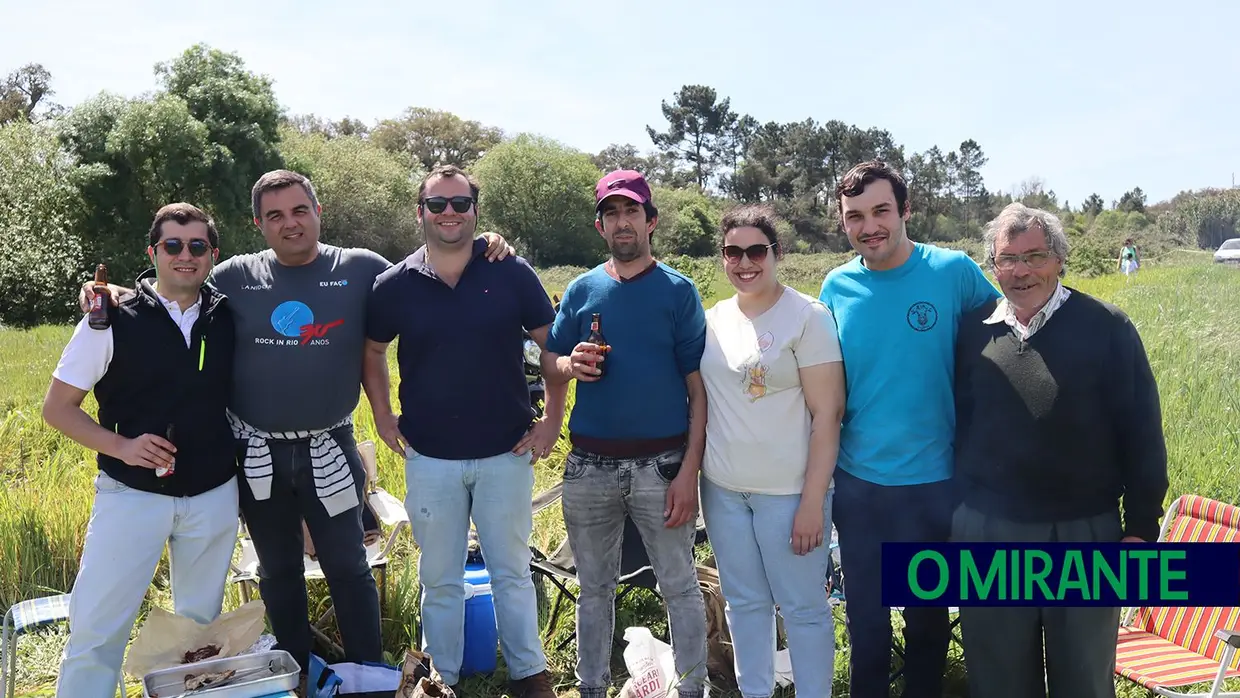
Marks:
<point>656,327</point>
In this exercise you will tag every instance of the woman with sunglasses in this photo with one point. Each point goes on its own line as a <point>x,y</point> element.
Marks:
<point>775,385</point>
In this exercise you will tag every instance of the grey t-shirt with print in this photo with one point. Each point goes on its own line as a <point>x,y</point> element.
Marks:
<point>301,334</point>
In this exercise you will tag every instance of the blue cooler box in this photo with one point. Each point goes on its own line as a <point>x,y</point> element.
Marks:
<point>481,633</point>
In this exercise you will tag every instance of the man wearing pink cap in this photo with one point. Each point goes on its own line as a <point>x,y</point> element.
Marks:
<point>638,430</point>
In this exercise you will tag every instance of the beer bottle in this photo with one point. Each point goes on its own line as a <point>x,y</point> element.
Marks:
<point>98,318</point>
<point>596,336</point>
<point>166,470</point>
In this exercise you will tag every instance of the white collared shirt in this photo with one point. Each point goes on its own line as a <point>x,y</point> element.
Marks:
<point>89,352</point>
<point>1004,312</point>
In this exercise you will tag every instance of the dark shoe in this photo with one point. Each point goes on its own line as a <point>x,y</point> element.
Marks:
<point>536,686</point>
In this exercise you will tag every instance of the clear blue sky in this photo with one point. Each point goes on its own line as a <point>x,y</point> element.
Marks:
<point>1088,96</point>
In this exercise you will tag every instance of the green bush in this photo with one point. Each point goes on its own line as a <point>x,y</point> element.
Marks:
<point>40,221</point>
<point>1094,254</point>
<point>703,271</point>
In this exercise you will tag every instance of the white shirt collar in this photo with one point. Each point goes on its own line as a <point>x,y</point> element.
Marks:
<point>1004,312</point>
<point>173,307</point>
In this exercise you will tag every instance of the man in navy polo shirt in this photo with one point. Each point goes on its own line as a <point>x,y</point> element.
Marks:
<point>466,424</point>
<point>638,430</point>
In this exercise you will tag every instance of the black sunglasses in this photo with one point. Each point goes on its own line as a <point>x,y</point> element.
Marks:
<point>173,246</point>
<point>437,204</point>
<point>756,253</point>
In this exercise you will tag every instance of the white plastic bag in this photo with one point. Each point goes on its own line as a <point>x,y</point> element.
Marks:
<point>651,666</point>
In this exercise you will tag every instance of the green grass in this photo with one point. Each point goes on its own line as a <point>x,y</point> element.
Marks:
<point>1186,311</point>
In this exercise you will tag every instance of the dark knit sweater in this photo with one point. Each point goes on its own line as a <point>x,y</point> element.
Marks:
<point>1063,425</point>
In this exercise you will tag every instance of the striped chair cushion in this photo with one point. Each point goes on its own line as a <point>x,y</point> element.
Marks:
<point>1200,520</point>
<point>1152,661</point>
<point>1176,646</point>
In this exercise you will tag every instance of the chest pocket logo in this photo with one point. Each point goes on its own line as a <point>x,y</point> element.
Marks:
<point>922,316</point>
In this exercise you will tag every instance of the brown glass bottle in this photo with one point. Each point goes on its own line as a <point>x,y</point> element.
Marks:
<point>166,470</point>
<point>98,316</point>
<point>596,337</point>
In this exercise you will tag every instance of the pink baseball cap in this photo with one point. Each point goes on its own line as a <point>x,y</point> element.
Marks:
<point>627,183</point>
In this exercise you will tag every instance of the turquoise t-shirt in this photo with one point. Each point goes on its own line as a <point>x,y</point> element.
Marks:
<point>897,332</point>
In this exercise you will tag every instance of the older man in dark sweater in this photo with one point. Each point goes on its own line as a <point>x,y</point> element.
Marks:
<point>1058,419</point>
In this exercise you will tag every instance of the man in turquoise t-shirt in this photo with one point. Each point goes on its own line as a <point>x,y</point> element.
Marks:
<point>638,430</point>
<point>897,306</point>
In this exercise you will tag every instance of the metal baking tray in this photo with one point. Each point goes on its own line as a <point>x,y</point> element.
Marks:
<point>274,671</point>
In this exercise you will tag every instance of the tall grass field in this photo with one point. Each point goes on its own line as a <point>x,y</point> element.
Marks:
<point>1187,310</point>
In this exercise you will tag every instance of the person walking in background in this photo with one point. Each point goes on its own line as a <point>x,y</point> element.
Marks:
<point>1129,258</point>
<point>775,385</point>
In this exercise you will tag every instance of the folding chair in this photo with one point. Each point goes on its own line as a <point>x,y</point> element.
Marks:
<point>560,567</point>
<point>1161,648</point>
<point>388,510</point>
<point>23,617</point>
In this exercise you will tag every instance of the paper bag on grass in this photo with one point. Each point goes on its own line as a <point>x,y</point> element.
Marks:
<point>419,679</point>
<point>165,637</point>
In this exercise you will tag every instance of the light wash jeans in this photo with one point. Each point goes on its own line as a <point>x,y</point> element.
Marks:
<point>496,492</point>
<point>598,492</point>
<point>125,540</point>
<point>758,570</point>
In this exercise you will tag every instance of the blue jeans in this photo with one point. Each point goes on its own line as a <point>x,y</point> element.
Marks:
<point>496,493</point>
<point>598,492</point>
<point>758,570</point>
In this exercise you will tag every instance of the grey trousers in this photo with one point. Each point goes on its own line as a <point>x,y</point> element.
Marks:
<point>598,492</point>
<point>1023,652</point>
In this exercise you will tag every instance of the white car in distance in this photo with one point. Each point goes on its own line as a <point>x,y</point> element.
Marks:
<point>1228,252</point>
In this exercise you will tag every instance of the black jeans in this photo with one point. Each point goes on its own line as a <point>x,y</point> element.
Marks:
<point>275,527</point>
<point>866,515</point>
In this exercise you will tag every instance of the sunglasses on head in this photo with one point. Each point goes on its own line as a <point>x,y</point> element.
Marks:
<point>173,246</point>
<point>756,253</point>
<point>437,204</point>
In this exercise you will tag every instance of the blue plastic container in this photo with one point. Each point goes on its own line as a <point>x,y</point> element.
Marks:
<point>481,633</point>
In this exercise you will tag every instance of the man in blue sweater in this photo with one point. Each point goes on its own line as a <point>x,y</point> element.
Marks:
<point>638,430</point>
<point>897,306</point>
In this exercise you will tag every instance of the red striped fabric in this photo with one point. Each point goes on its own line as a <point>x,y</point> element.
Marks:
<point>1176,646</point>
<point>1152,661</point>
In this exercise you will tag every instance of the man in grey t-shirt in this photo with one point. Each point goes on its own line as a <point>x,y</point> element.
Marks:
<point>299,309</point>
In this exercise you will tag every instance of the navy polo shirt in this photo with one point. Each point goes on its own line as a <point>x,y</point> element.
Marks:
<point>462,374</point>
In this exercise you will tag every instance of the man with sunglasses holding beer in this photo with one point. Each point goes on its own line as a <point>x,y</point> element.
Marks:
<point>466,430</point>
<point>161,372</point>
<point>300,309</point>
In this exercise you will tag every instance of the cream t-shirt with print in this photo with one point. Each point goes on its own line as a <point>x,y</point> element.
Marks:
<point>758,426</point>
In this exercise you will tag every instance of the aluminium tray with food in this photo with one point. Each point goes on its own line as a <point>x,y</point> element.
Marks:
<point>243,676</point>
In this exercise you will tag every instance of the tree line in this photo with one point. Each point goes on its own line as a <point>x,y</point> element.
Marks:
<point>79,184</point>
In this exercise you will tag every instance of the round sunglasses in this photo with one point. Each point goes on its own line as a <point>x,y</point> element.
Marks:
<point>173,246</point>
<point>437,204</point>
